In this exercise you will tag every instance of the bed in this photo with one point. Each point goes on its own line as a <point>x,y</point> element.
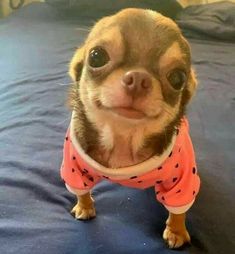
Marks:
<point>36,44</point>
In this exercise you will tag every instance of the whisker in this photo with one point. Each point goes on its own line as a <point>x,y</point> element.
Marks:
<point>169,113</point>
<point>66,84</point>
<point>65,120</point>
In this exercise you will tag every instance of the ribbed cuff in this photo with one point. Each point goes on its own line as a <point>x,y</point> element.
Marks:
<point>76,191</point>
<point>180,209</point>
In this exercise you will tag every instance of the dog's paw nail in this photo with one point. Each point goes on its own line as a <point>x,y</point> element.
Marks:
<point>176,240</point>
<point>81,213</point>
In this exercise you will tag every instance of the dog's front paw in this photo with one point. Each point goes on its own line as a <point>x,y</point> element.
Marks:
<point>175,239</point>
<point>83,213</point>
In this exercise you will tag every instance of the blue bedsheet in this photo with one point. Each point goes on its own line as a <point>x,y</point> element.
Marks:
<point>36,45</point>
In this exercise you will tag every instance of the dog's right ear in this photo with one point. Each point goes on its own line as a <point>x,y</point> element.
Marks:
<point>76,64</point>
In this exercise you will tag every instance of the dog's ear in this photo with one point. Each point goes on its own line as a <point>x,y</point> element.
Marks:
<point>190,88</point>
<point>192,80</point>
<point>192,83</point>
<point>76,64</point>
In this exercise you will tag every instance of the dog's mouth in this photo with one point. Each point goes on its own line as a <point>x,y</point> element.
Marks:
<point>127,112</point>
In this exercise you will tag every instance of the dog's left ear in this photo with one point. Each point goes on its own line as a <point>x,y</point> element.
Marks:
<point>192,84</point>
<point>190,88</point>
<point>76,64</point>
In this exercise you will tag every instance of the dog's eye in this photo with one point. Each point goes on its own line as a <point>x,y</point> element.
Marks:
<point>98,57</point>
<point>177,78</point>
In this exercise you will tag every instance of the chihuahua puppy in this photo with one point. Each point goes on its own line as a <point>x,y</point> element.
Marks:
<point>132,82</point>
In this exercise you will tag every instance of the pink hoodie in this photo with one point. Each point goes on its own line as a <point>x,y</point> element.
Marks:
<point>175,179</point>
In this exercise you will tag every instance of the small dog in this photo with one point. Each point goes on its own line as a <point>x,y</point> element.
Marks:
<point>132,82</point>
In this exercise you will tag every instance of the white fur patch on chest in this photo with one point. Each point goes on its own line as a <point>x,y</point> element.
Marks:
<point>107,137</point>
<point>121,146</point>
<point>120,157</point>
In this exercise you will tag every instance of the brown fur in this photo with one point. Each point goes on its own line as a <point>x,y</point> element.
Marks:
<point>86,133</point>
<point>175,233</point>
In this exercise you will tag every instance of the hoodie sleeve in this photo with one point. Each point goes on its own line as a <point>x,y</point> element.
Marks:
<point>178,192</point>
<point>75,177</point>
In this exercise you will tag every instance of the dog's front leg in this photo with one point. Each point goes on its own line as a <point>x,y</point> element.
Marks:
<point>84,209</point>
<point>175,233</point>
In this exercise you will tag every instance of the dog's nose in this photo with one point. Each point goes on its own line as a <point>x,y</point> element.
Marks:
<point>137,82</point>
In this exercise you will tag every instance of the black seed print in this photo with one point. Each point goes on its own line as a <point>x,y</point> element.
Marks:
<point>160,181</point>
<point>73,170</point>
<point>140,181</point>
<point>106,177</point>
<point>67,138</point>
<point>157,192</point>
<point>163,198</point>
<point>194,192</point>
<point>179,149</point>
<point>170,154</point>
<point>74,158</point>
<point>174,179</point>
<point>194,170</point>
<point>178,191</point>
<point>85,170</point>
<point>85,184</point>
<point>91,178</point>
<point>177,131</point>
<point>159,168</point>
<point>133,177</point>
<point>177,165</point>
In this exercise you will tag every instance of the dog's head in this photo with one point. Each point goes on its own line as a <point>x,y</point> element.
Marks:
<point>134,69</point>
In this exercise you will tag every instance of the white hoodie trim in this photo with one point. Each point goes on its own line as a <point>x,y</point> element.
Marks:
<point>124,172</point>
<point>179,210</point>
